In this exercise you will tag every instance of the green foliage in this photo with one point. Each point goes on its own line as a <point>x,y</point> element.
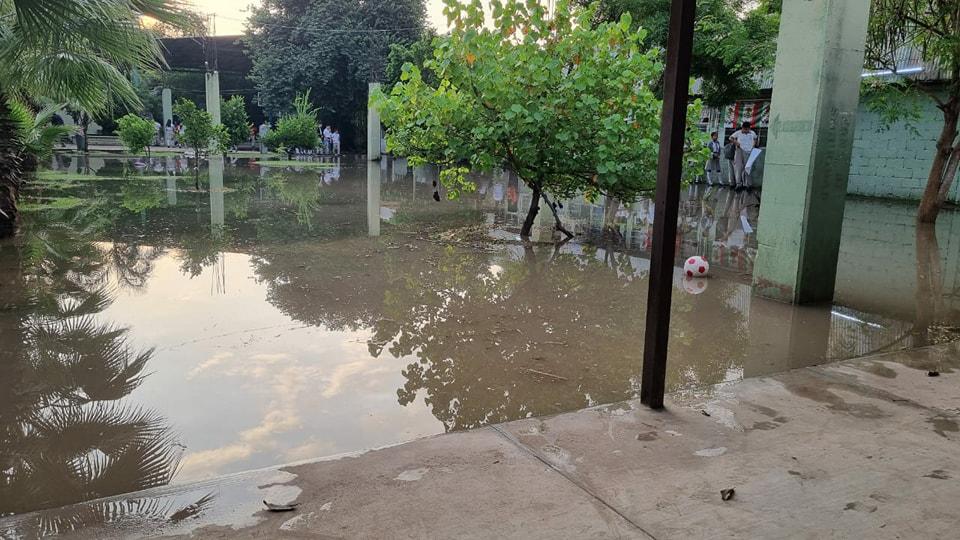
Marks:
<point>734,44</point>
<point>568,105</point>
<point>199,132</point>
<point>933,29</point>
<point>298,44</point>
<point>416,53</point>
<point>233,114</point>
<point>893,102</point>
<point>35,132</point>
<point>79,51</point>
<point>136,133</point>
<point>296,130</point>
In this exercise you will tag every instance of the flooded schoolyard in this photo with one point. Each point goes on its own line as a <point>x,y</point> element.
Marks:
<point>154,332</point>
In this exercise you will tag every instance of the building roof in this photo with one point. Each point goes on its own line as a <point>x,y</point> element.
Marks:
<point>224,53</point>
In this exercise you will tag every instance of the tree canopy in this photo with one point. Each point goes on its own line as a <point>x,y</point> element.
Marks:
<point>735,42</point>
<point>334,47</point>
<point>932,28</point>
<point>567,105</point>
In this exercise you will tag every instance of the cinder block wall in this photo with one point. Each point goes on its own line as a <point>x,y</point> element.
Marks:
<point>894,163</point>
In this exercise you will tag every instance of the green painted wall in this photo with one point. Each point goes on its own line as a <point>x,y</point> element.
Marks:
<point>894,163</point>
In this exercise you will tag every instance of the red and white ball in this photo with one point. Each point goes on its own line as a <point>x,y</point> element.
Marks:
<point>696,267</point>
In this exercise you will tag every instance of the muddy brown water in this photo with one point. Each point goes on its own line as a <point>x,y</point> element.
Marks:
<point>153,333</point>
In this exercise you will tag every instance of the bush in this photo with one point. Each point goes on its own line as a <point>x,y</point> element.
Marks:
<point>233,113</point>
<point>136,133</point>
<point>297,130</point>
<point>199,132</point>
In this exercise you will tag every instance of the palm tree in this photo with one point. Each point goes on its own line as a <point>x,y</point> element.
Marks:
<point>70,51</point>
<point>36,132</point>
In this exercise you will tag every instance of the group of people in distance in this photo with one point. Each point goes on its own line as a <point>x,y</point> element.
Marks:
<point>329,140</point>
<point>741,150</point>
<point>167,134</point>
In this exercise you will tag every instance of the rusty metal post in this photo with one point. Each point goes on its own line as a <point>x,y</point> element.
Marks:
<point>667,201</point>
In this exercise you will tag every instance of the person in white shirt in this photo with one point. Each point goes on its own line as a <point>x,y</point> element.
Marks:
<point>335,138</point>
<point>746,140</point>
<point>262,135</point>
<point>713,164</point>
<point>327,140</point>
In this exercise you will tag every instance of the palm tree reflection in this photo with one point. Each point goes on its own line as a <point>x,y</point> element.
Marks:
<point>68,432</point>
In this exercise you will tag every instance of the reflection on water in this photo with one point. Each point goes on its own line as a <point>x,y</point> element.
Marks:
<point>285,313</point>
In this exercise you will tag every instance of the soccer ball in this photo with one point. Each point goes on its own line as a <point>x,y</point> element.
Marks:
<point>696,267</point>
<point>694,285</point>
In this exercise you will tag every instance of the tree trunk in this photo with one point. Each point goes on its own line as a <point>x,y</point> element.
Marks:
<point>532,211</point>
<point>556,217</point>
<point>929,295</point>
<point>931,202</point>
<point>11,175</point>
<point>610,230</point>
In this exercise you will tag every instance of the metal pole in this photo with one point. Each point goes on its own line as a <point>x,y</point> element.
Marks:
<point>667,200</point>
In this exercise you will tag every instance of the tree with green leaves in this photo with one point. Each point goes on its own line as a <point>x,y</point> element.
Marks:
<point>933,28</point>
<point>334,47</point>
<point>136,133</point>
<point>734,45</point>
<point>233,114</point>
<point>567,105</point>
<point>297,130</point>
<point>200,133</point>
<point>416,53</point>
<point>69,51</point>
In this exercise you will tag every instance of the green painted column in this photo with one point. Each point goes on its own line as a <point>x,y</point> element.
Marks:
<point>815,95</point>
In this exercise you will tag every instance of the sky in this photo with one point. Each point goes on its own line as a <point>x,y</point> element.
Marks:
<point>231,14</point>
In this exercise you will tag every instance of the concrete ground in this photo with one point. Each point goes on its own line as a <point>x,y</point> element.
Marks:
<point>868,448</point>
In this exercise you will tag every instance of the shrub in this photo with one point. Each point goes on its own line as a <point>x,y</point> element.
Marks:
<point>296,130</point>
<point>136,133</point>
<point>233,113</point>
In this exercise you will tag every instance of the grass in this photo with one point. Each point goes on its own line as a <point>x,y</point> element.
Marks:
<point>122,153</point>
<point>293,163</point>
<point>46,177</point>
<point>252,154</point>
<point>52,203</point>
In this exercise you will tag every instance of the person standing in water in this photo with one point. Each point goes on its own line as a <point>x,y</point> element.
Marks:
<point>335,138</point>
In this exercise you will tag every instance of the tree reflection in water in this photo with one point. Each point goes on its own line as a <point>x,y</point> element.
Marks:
<point>486,339</point>
<point>68,434</point>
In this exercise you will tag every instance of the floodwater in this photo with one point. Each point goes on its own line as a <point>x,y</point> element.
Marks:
<point>153,332</point>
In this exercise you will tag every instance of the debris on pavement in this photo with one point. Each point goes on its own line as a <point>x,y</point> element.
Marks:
<point>281,507</point>
<point>727,494</point>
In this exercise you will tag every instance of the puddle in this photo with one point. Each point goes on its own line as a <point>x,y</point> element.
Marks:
<point>156,333</point>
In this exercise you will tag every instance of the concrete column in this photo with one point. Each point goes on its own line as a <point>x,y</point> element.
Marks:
<point>213,95</point>
<point>166,101</point>
<point>373,199</point>
<point>216,195</point>
<point>816,90</point>
<point>373,128</point>
<point>171,191</point>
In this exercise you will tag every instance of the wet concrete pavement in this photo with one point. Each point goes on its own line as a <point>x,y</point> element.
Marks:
<point>863,448</point>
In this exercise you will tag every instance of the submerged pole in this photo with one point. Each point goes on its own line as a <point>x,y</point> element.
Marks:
<point>667,201</point>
